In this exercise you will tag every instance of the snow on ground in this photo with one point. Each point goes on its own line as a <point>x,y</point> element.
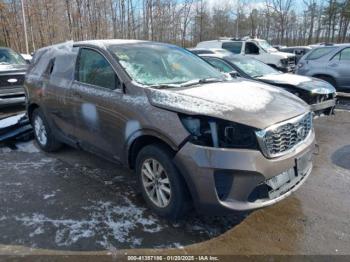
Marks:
<point>28,147</point>
<point>105,221</point>
<point>10,121</point>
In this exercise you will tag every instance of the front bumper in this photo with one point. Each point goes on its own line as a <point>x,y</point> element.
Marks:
<point>224,180</point>
<point>10,97</point>
<point>321,107</point>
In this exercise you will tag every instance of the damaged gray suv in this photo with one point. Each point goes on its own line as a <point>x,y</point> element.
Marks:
<point>191,135</point>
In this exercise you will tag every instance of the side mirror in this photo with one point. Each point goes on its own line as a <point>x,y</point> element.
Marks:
<point>234,74</point>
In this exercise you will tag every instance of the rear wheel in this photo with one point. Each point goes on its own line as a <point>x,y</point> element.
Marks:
<point>162,186</point>
<point>43,134</point>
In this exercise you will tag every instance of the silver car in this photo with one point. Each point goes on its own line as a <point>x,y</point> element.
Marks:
<point>330,63</point>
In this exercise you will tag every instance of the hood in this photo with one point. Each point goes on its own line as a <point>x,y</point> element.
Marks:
<point>306,83</point>
<point>11,68</point>
<point>282,55</point>
<point>243,101</point>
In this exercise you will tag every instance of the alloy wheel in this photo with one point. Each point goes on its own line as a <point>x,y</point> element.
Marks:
<point>40,130</point>
<point>156,182</point>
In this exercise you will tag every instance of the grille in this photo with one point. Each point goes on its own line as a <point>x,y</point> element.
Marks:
<point>4,80</point>
<point>291,61</point>
<point>281,138</point>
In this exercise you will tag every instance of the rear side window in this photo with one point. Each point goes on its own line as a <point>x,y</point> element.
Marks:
<point>343,55</point>
<point>320,52</point>
<point>94,69</point>
<point>234,47</point>
<point>222,66</point>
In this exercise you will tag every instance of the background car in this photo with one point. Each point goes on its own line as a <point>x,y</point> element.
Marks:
<point>258,48</point>
<point>299,51</point>
<point>27,57</point>
<point>330,63</point>
<point>12,71</point>
<point>320,95</point>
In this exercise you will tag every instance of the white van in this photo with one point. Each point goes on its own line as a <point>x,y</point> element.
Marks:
<point>257,48</point>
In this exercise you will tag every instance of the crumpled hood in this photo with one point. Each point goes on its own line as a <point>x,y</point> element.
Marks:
<point>8,68</point>
<point>242,101</point>
<point>307,83</point>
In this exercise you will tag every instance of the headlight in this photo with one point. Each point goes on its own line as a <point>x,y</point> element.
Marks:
<point>322,91</point>
<point>219,133</point>
<point>300,65</point>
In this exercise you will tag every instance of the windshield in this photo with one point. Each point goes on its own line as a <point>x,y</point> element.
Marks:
<point>266,46</point>
<point>252,67</point>
<point>160,64</point>
<point>9,57</point>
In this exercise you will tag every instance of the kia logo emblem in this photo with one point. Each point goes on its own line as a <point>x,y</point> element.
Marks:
<point>301,132</point>
<point>12,80</point>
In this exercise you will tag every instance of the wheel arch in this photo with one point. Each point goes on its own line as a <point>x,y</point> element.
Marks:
<point>142,138</point>
<point>318,75</point>
<point>31,109</point>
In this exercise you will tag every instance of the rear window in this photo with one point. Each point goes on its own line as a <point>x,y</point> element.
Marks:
<point>320,52</point>
<point>234,47</point>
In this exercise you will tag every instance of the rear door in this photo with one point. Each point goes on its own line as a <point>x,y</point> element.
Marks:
<point>97,97</point>
<point>56,83</point>
<point>341,64</point>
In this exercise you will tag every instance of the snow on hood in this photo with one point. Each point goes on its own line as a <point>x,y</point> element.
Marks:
<point>243,101</point>
<point>11,68</point>
<point>304,82</point>
<point>283,54</point>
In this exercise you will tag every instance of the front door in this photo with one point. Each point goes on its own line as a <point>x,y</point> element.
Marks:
<point>97,94</point>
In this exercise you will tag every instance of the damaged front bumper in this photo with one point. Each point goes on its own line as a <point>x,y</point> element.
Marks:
<point>325,107</point>
<point>224,180</point>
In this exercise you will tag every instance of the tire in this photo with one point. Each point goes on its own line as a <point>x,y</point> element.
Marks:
<point>178,200</point>
<point>43,133</point>
<point>328,79</point>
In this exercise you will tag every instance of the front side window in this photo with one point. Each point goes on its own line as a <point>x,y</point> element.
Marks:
<point>252,67</point>
<point>233,47</point>
<point>159,64</point>
<point>9,57</point>
<point>94,69</point>
<point>251,48</point>
<point>222,66</point>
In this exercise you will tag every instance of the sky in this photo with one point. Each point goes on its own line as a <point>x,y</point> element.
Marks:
<point>298,5</point>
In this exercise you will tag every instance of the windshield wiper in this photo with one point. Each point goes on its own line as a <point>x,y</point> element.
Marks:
<point>164,86</point>
<point>258,76</point>
<point>201,81</point>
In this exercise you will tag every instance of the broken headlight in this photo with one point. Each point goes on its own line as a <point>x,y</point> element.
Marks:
<point>219,133</point>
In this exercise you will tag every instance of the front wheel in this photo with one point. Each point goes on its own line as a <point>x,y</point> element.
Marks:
<point>163,188</point>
